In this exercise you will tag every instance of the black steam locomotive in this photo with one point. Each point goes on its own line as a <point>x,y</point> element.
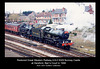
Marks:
<point>47,35</point>
<point>42,33</point>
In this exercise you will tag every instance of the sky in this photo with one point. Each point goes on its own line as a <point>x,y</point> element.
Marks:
<point>18,7</point>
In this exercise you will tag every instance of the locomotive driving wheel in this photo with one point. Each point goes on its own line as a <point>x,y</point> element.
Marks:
<point>21,35</point>
<point>57,44</point>
<point>67,47</point>
<point>45,41</point>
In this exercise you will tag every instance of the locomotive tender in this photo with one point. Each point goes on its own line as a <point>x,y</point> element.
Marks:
<point>42,33</point>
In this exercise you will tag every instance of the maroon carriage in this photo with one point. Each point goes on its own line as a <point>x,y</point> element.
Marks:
<point>12,27</point>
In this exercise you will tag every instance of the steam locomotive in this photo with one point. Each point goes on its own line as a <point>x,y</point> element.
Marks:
<point>42,33</point>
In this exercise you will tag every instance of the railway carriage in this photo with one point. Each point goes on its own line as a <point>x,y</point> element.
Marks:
<point>14,28</point>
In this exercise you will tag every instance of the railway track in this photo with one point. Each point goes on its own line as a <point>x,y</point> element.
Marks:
<point>72,51</point>
<point>24,51</point>
<point>82,53</point>
<point>21,53</point>
<point>50,49</point>
<point>30,49</point>
<point>40,47</point>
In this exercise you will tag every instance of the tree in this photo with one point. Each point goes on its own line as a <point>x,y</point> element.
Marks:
<point>26,13</point>
<point>50,22</point>
<point>43,11</point>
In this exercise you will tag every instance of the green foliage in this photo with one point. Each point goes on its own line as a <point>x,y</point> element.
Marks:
<point>75,34</point>
<point>43,11</point>
<point>50,22</point>
<point>27,12</point>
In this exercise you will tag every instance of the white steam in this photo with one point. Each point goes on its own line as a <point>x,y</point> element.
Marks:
<point>76,14</point>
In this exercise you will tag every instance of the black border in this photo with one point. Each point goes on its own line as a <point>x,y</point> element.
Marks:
<point>84,61</point>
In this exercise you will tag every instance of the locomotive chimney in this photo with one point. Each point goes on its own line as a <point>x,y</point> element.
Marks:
<point>53,10</point>
<point>63,9</point>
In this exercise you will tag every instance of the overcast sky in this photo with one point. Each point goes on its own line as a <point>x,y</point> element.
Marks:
<point>16,7</point>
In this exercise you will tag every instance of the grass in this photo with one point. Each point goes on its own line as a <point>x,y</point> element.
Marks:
<point>79,41</point>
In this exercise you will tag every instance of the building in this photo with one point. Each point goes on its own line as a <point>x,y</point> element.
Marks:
<point>89,9</point>
<point>56,15</point>
<point>24,18</point>
<point>29,18</point>
<point>14,17</point>
<point>43,17</point>
<point>59,15</point>
<point>32,16</point>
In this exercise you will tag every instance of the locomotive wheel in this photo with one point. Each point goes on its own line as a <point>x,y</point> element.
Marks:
<point>42,40</point>
<point>28,37</point>
<point>21,35</point>
<point>33,38</point>
<point>57,44</point>
<point>68,47</point>
<point>46,42</point>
